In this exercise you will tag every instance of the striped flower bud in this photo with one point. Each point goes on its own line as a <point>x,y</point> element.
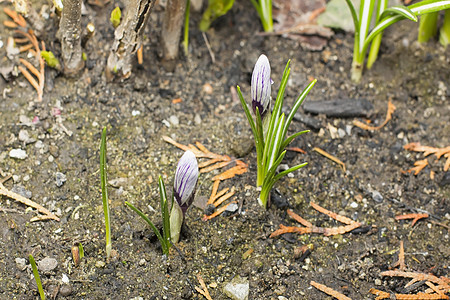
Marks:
<point>261,85</point>
<point>185,181</point>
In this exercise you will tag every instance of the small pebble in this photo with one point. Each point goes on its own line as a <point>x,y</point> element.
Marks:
<point>174,120</point>
<point>135,113</point>
<point>377,196</point>
<point>99,264</point>
<point>65,278</point>
<point>21,263</point>
<point>60,179</point>
<point>65,290</point>
<point>47,264</point>
<point>18,153</point>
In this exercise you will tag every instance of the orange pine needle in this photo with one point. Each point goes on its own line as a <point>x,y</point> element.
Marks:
<point>224,197</point>
<point>296,149</point>
<point>230,173</point>
<point>30,78</point>
<point>214,167</point>
<point>18,19</point>
<point>208,162</point>
<point>390,110</point>
<point>219,194</point>
<point>214,191</point>
<point>331,214</point>
<point>329,291</point>
<point>415,217</point>
<point>329,156</point>
<point>177,100</point>
<point>417,277</point>
<point>202,148</point>
<point>299,219</point>
<point>25,47</point>
<point>10,24</point>
<point>419,296</point>
<point>290,229</point>
<point>204,289</point>
<point>401,258</point>
<point>217,212</point>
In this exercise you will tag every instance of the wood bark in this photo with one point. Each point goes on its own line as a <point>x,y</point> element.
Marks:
<point>128,38</point>
<point>171,29</point>
<point>70,35</point>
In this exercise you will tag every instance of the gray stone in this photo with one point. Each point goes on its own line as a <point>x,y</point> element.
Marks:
<point>340,108</point>
<point>377,196</point>
<point>60,179</point>
<point>47,264</point>
<point>237,289</point>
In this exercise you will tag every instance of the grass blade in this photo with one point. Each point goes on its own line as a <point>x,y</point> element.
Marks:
<point>164,211</point>
<point>152,226</point>
<point>37,277</point>
<point>103,179</point>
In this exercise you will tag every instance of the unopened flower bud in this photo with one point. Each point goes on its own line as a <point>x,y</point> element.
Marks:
<point>261,85</point>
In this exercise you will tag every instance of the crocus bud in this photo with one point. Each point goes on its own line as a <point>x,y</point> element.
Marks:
<point>184,186</point>
<point>185,181</point>
<point>261,85</point>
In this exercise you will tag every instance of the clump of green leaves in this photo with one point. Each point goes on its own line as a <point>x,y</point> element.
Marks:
<point>270,127</point>
<point>184,187</point>
<point>384,18</point>
<point>215,9</point>
<point>37,277</point>
<point>116,15</point>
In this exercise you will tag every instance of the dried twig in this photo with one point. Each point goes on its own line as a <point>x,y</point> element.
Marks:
<point>329,156</point>
<point>390,110</point>
<point>204,289</point>
<point>427,150</point>
<point>47,214</point>
<point>419,296</point>
<point>329,291</point>
<point>309,228</point>
<point>39,74</point>
<point>401,258</point>
<point>415,217</point>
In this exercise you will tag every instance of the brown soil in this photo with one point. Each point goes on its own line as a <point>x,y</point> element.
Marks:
<point>415,76</point>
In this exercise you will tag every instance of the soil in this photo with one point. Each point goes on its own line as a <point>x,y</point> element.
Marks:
<point>140,110</point>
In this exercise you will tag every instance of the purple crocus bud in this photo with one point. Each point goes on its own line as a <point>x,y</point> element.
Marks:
<point>261,85</point>
<point>185,181</point>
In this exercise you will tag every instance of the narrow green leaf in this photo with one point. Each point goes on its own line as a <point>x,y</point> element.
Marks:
<point>153,227</point>
<point>427,27</point>
<point>291,138</point>
<point>164,210</point>
<point>444,33</point>
<point>290,170</point>
<point>365,16</point>
<point>354,15</point>
<point>297,105</point>
<point>259,144</point>
<point>186,27</point>
<point>275,143</point>
<point>270,174</point>
<point>37,277</point>
<point>399,10</point>
<point>276,112</point>
<point>103,180</point>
